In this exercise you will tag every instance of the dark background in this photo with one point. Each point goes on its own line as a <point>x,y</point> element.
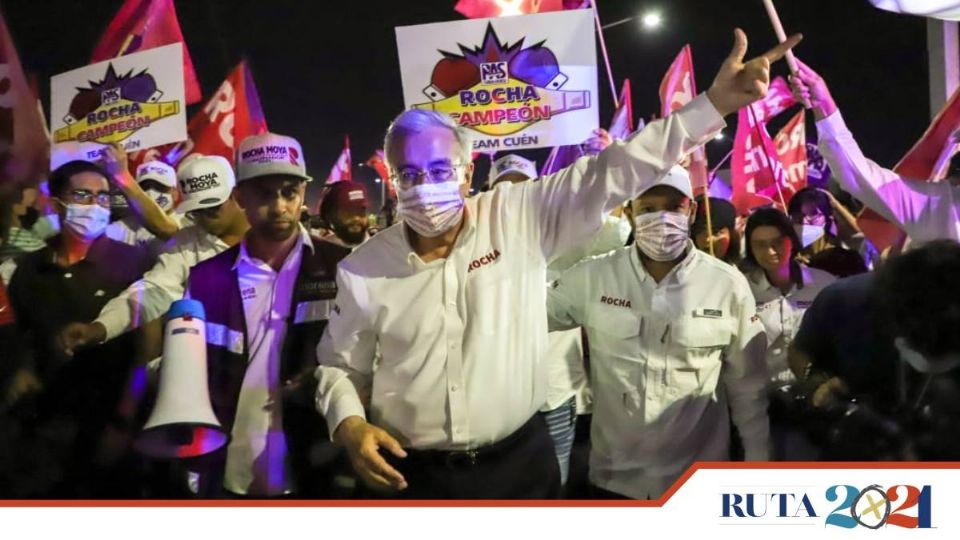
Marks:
<point>329,68</point>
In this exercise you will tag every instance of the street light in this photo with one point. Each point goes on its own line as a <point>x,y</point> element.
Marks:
<point>652,20</point>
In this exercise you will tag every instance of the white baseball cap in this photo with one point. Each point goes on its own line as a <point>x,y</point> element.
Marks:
<point>205,181</point>
<point>678,178</point>
<point>511,163</point>
<point>157,171</point>
<point>270,154</point>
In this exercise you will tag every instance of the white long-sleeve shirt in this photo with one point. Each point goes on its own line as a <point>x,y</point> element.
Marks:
<point>924,210</point>
<point>151,296</point>
<point>463,338</point>
<point>781,314</point>
<point>658,356</point>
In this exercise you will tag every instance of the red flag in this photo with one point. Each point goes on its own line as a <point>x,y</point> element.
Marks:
<point>142,25</point>
<point>24,144</point>
<point>678,88</point>
<point>378,162</point>
<point>232,114</point>
<point>621,126</point>
<point>342,169</point>
<point>791,145</point>
<point>482,9</point>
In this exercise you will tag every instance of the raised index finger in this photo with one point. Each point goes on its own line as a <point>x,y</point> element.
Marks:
<point>781,49</point>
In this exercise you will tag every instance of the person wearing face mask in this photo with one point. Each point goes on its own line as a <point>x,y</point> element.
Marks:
<point>676,349</point>
<point>830,238</point>
<point>70,279</point>
<point>782,286</point>
<point>206,183</point>
<point>453,299</point>
<point>889,340</point>
<point>159,182</point>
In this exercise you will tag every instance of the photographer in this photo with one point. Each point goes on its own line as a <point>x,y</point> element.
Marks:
<point>876,357</point>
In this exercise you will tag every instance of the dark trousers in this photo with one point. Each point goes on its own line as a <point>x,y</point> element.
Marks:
<point>521,466</point>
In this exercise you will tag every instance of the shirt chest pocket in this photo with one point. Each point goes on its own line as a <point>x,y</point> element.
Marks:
<point>616,330</point>
<point>699,344</point>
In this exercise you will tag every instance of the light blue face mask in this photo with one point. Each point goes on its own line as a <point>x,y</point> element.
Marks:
<point>919,362</point>
<point>810,234</point>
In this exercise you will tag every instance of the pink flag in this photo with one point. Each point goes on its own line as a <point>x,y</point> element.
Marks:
<point>482,9</point>
<point>142,25</point>
<point>232,114</point>
<point>342,168</point>
<point>678,88</point>
<point>791,145</point>
<point>621,126</point>
<point>24,145</point>
<point>378,162</point>
<point>756,173</point>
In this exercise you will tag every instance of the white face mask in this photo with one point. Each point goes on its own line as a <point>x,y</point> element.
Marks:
<point>663,235</point>
<point>920,363</point>
<point>431,209</point>
<point>163,200</point>
<point>810,234</point>
<point>88,221</point>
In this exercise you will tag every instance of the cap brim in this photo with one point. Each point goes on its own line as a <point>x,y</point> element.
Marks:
<point>191,205</point>
<point>158,179</point>
<point>303,177</point>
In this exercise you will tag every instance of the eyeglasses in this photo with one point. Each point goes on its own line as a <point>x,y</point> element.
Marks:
<point>83,196</point>
<point>209,212</point>
<point>409,177</point>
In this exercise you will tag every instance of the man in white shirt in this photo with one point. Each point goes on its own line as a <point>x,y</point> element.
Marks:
<point>674,341</point>
<point>159,181</point>
<point>453,299</point>
<point>266,302</point>
<point>925,210</point>
<point>206,183</point>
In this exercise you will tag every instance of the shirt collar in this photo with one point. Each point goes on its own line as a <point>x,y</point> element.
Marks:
<point>244,256</point>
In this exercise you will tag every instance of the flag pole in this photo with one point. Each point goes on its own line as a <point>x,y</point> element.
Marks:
<point>706,210</point>
<point>781,37</point>
<point>606,57</point>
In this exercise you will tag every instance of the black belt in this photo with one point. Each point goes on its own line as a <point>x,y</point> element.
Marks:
<point>470,458</point>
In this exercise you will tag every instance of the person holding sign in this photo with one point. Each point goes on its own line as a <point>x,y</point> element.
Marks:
<point>453,298</point>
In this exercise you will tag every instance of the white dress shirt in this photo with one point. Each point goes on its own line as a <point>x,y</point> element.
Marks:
<point>151,296</point>
<point>781,314</point>
<point>658,353</point>
<point>256,455</point>
<point>463,338</point>
<point>924,210</point>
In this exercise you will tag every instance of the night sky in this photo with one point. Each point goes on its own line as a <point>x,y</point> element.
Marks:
<point>329,68</point>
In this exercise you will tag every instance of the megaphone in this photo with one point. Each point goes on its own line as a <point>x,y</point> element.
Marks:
<point>182,424</point>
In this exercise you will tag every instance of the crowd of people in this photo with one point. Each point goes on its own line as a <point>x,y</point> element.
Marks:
<point>483,346</point>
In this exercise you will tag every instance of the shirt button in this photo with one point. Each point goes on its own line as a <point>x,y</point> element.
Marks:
<point>454,388</point>
<point>68,275</point>
<point>454,346</point>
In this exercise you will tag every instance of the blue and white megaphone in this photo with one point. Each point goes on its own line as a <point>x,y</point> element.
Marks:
<point>183,424</point>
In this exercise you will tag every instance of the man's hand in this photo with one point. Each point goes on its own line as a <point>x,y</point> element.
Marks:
<point>24,383</point>
<point>808,85</point>
<point>363,442</point>
<point>115,162</point>
<point>828,393</point>
<point>739,84</point>
<point>76,336</point>
<point>598,141</point>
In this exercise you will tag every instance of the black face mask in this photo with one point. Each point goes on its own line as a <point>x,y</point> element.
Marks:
<point>29,218</point>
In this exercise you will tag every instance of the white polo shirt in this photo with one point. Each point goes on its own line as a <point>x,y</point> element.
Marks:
<point>658,356</point>
<point>924,210</point>
<point>151,296</point>
<point>781,314</point>
<point>463,339</point>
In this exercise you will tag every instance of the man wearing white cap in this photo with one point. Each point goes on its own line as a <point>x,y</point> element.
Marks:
<point>267,301</point>
<point>511,168</point>
<point>453,299</point>
<point>159,181</point>
<point>206,184</point>
<point>674,341</point>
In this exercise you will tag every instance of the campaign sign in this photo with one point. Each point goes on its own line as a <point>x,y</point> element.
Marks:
<point>136,100</point>
<point>516,82</point>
